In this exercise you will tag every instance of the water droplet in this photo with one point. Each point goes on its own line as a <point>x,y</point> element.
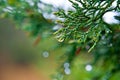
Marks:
<point>66,65</point>
<point>88,67</point>
<point>45,54</point>
<point>67,71</point>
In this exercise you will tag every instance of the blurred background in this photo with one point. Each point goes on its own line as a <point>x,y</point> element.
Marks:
<point>30,51</point>
<point>19,59</point>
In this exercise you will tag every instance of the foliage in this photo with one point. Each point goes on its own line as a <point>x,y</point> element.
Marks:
<point>84,24</point>
<point>84,29</point>
<point>27,14</point>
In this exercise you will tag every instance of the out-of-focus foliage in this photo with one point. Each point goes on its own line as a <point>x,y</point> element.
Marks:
<point>82,29</point>
<point>28,14</point>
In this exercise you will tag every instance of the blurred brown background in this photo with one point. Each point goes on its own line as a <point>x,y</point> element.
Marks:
<point>18,57</point>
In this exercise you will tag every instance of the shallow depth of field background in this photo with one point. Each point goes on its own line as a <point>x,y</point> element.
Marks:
<point>27,61</point>
<point>25,57</point>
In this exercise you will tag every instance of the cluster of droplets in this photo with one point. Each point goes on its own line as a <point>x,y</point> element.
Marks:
<point>67,68</point>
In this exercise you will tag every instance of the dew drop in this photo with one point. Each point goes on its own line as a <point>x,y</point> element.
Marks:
<point>66,65</point>
<point>45,54</point>
<point>88,67</point>
<point>67,71</point>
